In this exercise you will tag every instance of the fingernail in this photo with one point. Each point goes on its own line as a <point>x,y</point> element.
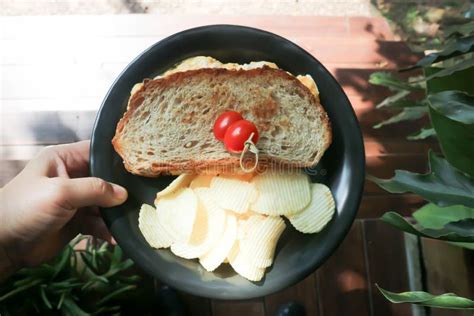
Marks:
<point>119,192</point>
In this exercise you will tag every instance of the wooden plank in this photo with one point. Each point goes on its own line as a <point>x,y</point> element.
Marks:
<point>304,293</point>
<point>376,205</point>
<point>142,25</point>
<point>387,266</point>
<point>47,127</point>
<point>369,26</point>
<point>254,307</point>
<point>343,284</point>
<point>399,147</point>
<point>191,305</point>
<point>449,269</point>
<point>384,166</point>
<point>92,75</point>
<point>195,305</point>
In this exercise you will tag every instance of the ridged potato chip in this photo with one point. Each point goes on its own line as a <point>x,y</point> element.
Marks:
<point>261,238</point>
<point>281,193</point>
<point>318,213</point>
<point>233,194</point>
<point>151,228</point>
<point>246,224</point>
<point>240,262</point>
<point>182,181</point>
<point>208,228</point>
<point>211,260</point>
<point>177,213</point>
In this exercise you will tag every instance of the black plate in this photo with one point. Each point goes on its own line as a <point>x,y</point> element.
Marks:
<point>342,167</point>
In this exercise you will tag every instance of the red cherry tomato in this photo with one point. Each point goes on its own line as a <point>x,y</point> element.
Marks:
<point>224,121</point>
<point>238,133</point>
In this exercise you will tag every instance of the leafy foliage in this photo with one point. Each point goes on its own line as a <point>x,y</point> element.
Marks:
<point>449,185</point>
<point>77,282</point>
<point>444,185</point>
<point>452,115</point>
<point>458,231</point>
<point>448,300</point>
<point>459,47</point>
<point>422,134</point>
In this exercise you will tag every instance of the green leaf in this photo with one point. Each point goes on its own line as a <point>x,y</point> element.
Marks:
<point>422,134</point>
<point>466,245</point>
<point>444,185</point>
<point>460,80</point>
<point>61,300</point>
<point>117,256</point>
<point>456,105</point>
<point>116,293</point>
<point>448,300</point>
<point>388,80</point>
<point>65,258</point>
<point>394,100</point>
<point>19,290</point>
<point>458,47</point>
<point>462,29</point>
<point>452,116</point>
<point>72,308</point>
<point>86,258</point>
<point>407,114</point>
<point>45,298</point>
<point>461,231</point>
<point>462,65</point>
<point>435,217</point>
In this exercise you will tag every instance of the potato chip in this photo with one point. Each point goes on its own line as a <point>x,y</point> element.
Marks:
<point>202,180</point>
<point>181,181</point>
<point>211,260</point>
<point>246,224</point>
<point>281,193</point>
<point>151,228</point>
<point>318,213</point>
<point>261,239</point>
<point>177,213</point>
<point>233,194</point>
<point>208,228</point>
<point>240,262</point>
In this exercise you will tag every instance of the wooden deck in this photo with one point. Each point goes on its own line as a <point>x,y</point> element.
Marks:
<point>56,70</point>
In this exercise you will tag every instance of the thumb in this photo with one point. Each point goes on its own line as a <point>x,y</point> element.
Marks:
<point>82,192</point>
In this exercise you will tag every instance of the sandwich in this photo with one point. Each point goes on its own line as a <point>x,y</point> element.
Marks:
<point>167,128</point>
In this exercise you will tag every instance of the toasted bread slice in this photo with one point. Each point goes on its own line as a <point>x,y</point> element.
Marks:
<point>168,124</point>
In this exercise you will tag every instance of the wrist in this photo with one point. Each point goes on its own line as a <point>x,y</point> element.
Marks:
<point>7,266</point>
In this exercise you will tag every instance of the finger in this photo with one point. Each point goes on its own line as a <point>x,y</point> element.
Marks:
<point>81,192</point>
<point>62,160</point>
<point>75,157</point>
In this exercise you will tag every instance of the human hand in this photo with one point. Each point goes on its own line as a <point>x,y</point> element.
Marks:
<point>51,201</point>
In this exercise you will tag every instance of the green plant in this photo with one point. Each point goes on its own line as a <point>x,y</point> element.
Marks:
<point>444,92</point>
<point>89,281</point>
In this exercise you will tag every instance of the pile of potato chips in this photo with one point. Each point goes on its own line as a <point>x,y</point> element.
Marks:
<point>234,219</point>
